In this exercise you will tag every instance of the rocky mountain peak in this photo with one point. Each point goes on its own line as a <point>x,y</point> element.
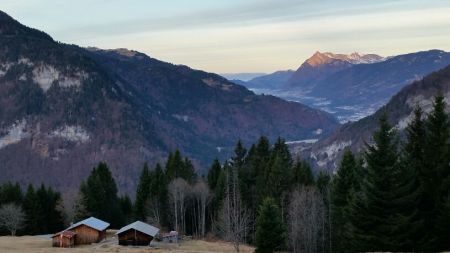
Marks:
<point>319,58</point>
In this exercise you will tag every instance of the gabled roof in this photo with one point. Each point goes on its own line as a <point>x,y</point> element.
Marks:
<point>91,222</point>
<point>68,234</point>
<point>141,227</point>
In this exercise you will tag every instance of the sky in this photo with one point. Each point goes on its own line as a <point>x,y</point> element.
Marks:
<point>237,36</point>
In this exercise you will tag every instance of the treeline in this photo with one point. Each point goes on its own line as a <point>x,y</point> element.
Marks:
<point>396,196</point>
<point>37,211</point>
<point>155,193</point>
<point>236,201</point>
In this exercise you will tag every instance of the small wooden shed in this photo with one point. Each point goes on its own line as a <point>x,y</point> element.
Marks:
<point>64,239</point>
<point>90,230</point>
<point>171,237</point>
<point>137,233</point>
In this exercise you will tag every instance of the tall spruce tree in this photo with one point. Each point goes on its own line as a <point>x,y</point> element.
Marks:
<point>213,174</point>
<point>436,178</point>
<point>51,219</point>
<point>126,207</point>
<point>247,178</point>
<point>278,173</point>
<point>100,196</point>
<point>378,214</point>
<point>174,165</point>
<point>42,210</point>
<point>270,228</point>
<point>159,192</point>
<point>10,193</point>
<point>344,184</point>
<point>188,171</point>
<point>302,174</point>
<point>31,208</point>
<point>414,161</point>
<point>142,193</point>
<point>260,164</point>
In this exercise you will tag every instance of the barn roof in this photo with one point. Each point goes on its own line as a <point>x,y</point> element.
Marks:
<point>91,222</point>
<point>141,227</point>
<point>68,234</point>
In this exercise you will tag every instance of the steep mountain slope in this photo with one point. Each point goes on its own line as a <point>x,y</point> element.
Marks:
<point>65,108</point>
<point>327,152</point>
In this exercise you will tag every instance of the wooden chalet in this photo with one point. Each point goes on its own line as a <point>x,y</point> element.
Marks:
<point>137,233</point>
<point>90,230</point>
<point>64,239</point>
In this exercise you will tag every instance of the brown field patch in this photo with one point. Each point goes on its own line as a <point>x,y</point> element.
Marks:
<point>37,244</point>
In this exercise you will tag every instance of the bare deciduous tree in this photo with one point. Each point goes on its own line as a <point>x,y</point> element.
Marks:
<point>179,190</point>
<point>153,210</point>
<point>305,219</point>
<point>12,217</point>
<point>234,218</point>
<point>202,196</point>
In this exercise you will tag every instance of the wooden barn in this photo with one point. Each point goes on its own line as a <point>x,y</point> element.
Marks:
<point>64,239</point>
<point>90,230</point>
<point>137,233</point>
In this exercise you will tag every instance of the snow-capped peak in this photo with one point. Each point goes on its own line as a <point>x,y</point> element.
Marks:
<point>354,58</point>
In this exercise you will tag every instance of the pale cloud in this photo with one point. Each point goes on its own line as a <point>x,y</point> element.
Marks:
<point>256,36</point>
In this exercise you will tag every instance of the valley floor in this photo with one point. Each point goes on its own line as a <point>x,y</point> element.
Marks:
<point>40,244</point>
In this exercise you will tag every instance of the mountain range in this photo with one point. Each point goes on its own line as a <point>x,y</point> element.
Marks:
<point>64,108</point>
<point>326,153</point>
<point>349,86</point>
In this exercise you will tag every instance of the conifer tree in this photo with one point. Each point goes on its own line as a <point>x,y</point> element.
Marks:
<point>443,225</point>
<point>100,195</point>
<point>142,193</point>
<point>278,174</point>
<point>31,208</point>
<point>174,165</point>
<point>238,159</point>
<point>270,229</point>
<point>10,193</point>
<point>323,181</point>
<point>302,174</point>
<point>378,217</point>
<point>344,184</point>
<point>415,169</point>
<point>126,208</point>
<point>188,171</point>
<point>260,165</point>
<point>247,178</point>
<point>159,194</point>
<point>436,178</point>
<point>51,219</point>
<point>219,191</point>
<point>213,174</point>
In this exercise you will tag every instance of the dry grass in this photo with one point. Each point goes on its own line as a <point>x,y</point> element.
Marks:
<point>43,245</point>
